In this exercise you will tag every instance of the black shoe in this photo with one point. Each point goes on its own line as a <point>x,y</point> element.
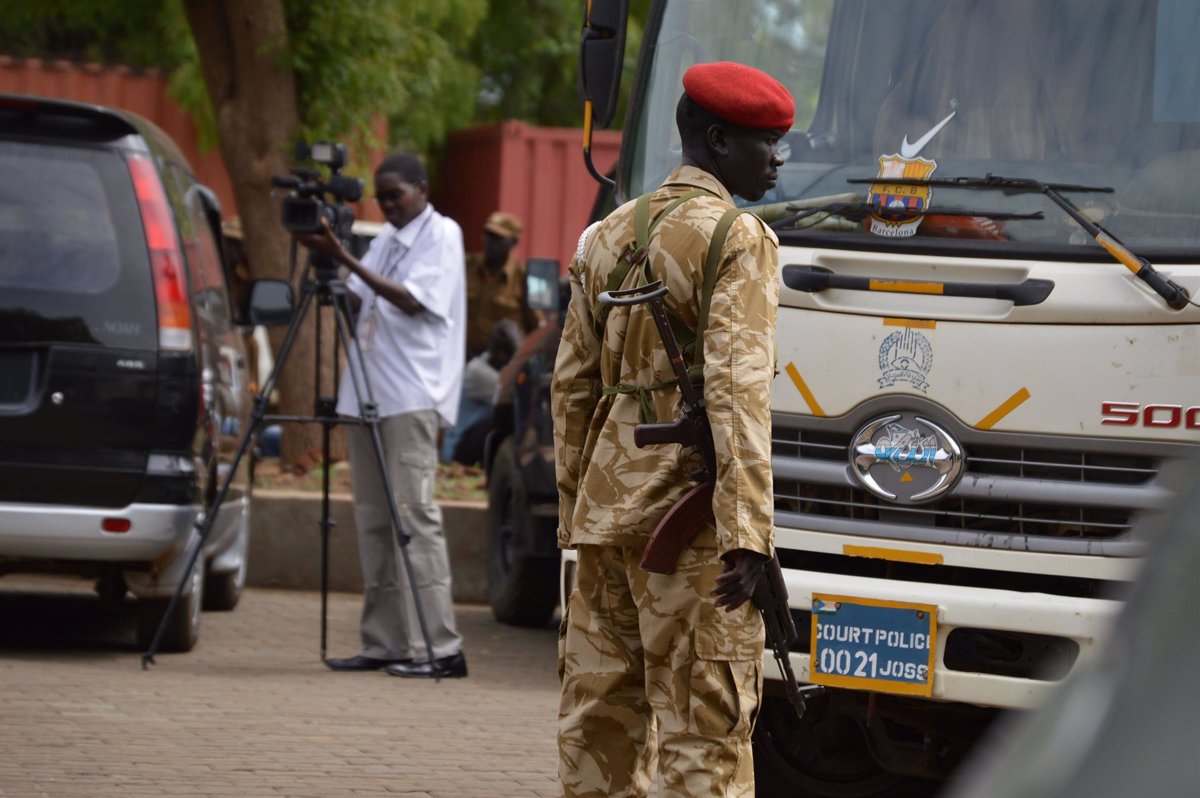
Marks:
<point>360,662</point>
<point>451,667</point>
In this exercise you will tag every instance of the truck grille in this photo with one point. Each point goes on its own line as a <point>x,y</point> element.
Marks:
<point>1017,518</point>
<point>1015,488</point>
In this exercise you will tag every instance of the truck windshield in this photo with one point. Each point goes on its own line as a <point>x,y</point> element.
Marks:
<point>1091,92</point>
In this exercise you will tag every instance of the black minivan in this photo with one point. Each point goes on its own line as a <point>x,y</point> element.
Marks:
<point>120,364</point>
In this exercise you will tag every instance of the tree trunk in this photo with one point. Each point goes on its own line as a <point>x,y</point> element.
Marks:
<point>243,48</point>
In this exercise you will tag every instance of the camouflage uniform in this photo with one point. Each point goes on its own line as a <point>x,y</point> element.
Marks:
<point>640,649</point>
<point>492,297</point>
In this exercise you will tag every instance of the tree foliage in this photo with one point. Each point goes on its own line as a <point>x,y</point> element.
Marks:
<point>358,59</point>
<point>145,33</point>
<point>528,53</point>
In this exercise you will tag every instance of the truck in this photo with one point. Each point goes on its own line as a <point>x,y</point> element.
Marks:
<point>988,350</point>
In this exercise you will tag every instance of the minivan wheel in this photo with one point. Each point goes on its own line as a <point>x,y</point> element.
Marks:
<point>183,627</point>
<point>522,588</point>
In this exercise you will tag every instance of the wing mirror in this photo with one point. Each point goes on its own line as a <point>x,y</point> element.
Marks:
<point>270,302</point>
<point>601,56</point>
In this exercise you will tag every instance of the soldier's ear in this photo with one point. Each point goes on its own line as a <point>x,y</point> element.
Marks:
<point>717,139</point>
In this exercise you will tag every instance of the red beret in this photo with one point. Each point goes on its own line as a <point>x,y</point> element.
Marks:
<point>740,94</point>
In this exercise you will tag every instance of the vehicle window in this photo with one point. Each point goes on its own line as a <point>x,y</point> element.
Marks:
<point>202,249</point>
<point>73,260</point>
<point>56,229</point>
<point>205,272</point>
<point>211,276</point>
<point>930,89</point>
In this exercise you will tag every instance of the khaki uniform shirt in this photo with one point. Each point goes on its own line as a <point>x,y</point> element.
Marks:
<point>610,491</point>
<point>492,297</point>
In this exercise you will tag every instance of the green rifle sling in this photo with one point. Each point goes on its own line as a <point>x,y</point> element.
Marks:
<point>637,254</point>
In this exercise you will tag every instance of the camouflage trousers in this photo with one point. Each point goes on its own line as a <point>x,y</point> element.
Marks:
<point>653,672</point>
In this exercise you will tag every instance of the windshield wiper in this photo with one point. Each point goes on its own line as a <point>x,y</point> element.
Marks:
<point>857,211</point>
<point>1175,295</point>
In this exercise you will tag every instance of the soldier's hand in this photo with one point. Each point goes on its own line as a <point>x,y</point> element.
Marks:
<point>735,585</point>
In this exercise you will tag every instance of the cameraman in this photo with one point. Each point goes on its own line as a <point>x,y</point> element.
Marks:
<point>409,294</point>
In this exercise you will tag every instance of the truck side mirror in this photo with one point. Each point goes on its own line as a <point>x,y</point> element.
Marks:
<point>270,302</point>
<point>541,284</point>
<point>601,56</point>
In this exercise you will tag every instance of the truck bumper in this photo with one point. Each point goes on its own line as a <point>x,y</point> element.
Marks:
<point>1082,620</point>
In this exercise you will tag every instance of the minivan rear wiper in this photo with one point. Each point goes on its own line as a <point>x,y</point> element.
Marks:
<point>857,211</point>
<point>1175,295</point>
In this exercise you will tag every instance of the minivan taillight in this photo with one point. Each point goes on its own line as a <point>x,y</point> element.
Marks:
<point>166,259</point>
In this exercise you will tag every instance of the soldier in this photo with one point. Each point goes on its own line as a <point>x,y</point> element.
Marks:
<point>641,650</point>
<point>496,283</point>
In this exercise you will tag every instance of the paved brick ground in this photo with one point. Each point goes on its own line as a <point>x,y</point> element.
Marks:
<point>253,712</point>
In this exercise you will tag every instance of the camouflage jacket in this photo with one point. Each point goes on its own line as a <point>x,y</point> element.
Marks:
<point>611,492</point>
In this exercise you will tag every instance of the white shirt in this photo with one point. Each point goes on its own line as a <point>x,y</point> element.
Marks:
<point>413,362</point>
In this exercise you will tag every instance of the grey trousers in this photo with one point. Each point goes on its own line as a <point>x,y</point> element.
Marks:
<point>390,626</point>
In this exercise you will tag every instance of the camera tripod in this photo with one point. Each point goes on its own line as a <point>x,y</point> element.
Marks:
<point>327,291</point>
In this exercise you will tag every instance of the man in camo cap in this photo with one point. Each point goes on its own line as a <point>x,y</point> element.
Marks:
<point>682,652</point>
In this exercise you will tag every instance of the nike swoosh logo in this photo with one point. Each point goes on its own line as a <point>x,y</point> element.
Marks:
<point>910,150</point>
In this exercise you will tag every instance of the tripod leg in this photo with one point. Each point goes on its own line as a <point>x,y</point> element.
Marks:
<point>208,518</point>
<point>328,411</point>
<point>369,415</point>
<point>326,528</point>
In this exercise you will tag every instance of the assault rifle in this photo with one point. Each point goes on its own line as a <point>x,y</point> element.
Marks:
<point>694,510</point>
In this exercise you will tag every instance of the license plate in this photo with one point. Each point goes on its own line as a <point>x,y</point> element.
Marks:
<point>871,644</point>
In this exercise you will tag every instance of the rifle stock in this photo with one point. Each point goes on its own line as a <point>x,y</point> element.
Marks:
<point>677,528</point>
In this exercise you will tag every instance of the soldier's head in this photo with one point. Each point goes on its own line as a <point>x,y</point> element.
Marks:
<point>401,188</point>
<point>731,119</point>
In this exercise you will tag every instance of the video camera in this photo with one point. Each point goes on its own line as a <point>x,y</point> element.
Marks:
<point>305,207</point>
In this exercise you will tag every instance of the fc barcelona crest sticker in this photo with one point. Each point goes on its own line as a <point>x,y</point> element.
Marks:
<point>898,198</point>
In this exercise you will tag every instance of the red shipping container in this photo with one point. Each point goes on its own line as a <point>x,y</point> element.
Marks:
<point>536,173</point>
